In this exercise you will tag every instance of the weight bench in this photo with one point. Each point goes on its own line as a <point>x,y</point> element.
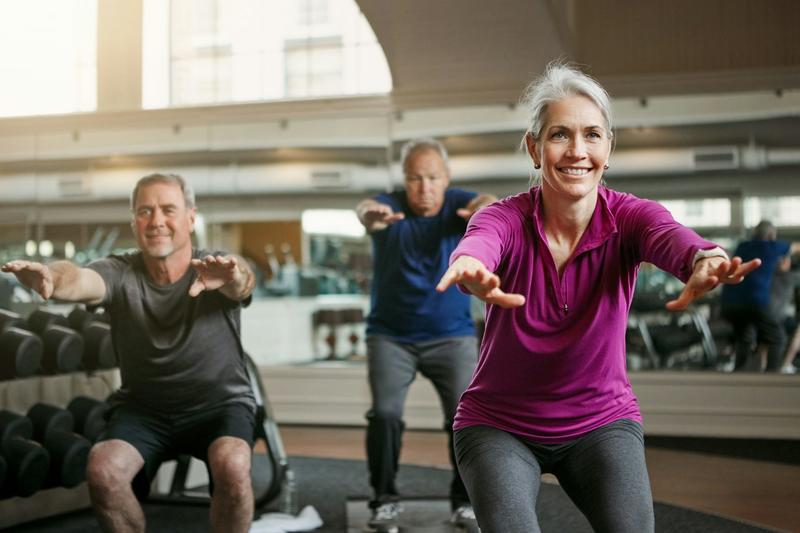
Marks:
<point>270,467</point>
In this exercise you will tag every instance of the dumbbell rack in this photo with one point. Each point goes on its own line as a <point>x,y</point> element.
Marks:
<point>18,395</point>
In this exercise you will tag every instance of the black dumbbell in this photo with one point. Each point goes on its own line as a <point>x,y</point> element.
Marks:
<point>47,419</point>
<point>10,320</point>
<point>20,353</point>
<point>3,470</point>
<point>98,349</point>
<point>69,452</point>
<point>79,316</point>
<point>39,320</point>
<point>27,462</point>
<point>63,347</point>
<point>63,350</point>
<point>89,415</point>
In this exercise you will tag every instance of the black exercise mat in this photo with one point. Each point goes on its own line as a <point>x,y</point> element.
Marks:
<point>327,483</point>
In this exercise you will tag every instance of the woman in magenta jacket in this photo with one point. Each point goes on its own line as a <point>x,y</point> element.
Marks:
<point>557,267</point>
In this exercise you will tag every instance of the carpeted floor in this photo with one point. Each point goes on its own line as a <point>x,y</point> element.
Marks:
<point>327,483</point>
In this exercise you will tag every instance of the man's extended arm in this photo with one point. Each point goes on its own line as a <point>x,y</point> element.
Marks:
<point>480,201</point>
<point>376,216</point>
<point>61,280</point>
<point>230,274</point>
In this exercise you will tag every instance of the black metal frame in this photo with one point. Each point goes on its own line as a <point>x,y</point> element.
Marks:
<point>266,429</point>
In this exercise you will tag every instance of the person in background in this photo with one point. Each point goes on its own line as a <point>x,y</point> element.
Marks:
<point>747,305</point>
<point>175,328</point>
<point>785,282</point>
<point>411,328</point>
<point>557,267</point>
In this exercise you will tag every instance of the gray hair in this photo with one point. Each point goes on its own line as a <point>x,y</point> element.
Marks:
<point>414,146</point>
<point>561,80</point>
<point>765,231</point>
<point>175,179</point>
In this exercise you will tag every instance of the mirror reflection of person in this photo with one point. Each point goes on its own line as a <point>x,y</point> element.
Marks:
<point>785,282</point>
<point>175,328</point>
<point>557,267</point>
<point>747,305</point>
<point>411,328</point>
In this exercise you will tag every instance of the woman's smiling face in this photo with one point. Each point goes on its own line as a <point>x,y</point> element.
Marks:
<point>573,147</point>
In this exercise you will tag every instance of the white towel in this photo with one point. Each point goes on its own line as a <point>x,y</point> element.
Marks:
<point>307,520</point>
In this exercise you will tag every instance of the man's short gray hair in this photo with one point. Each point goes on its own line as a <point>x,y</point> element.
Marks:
<point>765,231</point>
<point>186,188</point>
<point>414,146</point>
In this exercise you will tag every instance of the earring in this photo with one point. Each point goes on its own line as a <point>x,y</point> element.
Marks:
<point>605,167</point>
<point>537,166</point>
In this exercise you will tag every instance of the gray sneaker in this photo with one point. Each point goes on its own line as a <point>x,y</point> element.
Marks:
<point>464,518</point>
<point>384,518</point>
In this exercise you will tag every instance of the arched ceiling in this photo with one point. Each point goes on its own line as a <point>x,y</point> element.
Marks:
<point>484,52</point>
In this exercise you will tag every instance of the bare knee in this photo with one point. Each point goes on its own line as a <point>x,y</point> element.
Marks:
<point>111,466</point>
<point>230,465</point>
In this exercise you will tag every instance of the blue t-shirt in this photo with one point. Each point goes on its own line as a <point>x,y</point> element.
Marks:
<point>755,288</point>
<point>409,258</point>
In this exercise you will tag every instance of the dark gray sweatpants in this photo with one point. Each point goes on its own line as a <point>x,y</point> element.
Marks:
<point>603,472</point>
<point>393,366</point>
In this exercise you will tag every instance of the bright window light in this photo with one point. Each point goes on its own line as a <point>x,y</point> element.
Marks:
<point>700,213</point>
<point>69,250</point>
<point>340,222</point>
<point>46,248</point>
<point>214,51</point>
<point>781,211</point>
<point>48,56</point>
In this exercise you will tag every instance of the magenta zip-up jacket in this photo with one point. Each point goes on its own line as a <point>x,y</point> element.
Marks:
<point>553,369</point>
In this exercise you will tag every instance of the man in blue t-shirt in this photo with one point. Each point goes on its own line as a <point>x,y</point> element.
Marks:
<point>747,304</point>
<point>411,328</point>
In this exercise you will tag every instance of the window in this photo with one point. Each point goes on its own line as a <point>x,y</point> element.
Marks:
<point>342,222</point>
<point>781,211</point>
<point>703,213</point>
<point>213,51</point>
<point>313,12</point>
<point>314,68</point>
<point>48,44</point>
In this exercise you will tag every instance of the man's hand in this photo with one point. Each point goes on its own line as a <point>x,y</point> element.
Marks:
<point>480,201</point>
<point>33,275</point>
<point>473,275</point>
<point>214,272</point>
<point>376,216</point>
<point>707,274</point>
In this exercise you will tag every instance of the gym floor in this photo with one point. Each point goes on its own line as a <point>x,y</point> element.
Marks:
<point>761,492</point>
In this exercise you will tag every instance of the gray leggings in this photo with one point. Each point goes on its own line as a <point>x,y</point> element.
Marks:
<point>603,472</point>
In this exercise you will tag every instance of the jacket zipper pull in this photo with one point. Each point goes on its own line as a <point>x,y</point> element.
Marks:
<point>566,308</point>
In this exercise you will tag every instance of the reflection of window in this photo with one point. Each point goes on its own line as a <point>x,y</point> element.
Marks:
<point>314,68</point>
<point>46,45</point>
<point>706,212</point>
<point>781,211</point>
<point>214,51</point>
<point>343,222</point>
<point>201,53</point>
<point>312,12</point>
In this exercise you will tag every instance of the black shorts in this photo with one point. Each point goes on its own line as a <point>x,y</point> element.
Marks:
<point>159,437</point>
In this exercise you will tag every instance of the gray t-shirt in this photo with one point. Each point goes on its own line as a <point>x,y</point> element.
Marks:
<point>176,353</point>
<point>782,293</point>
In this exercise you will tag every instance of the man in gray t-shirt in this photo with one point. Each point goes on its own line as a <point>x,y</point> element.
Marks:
<point>175,328</point>
<point>177,353</point>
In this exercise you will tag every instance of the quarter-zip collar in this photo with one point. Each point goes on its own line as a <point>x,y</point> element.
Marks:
<point>601,226</point>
